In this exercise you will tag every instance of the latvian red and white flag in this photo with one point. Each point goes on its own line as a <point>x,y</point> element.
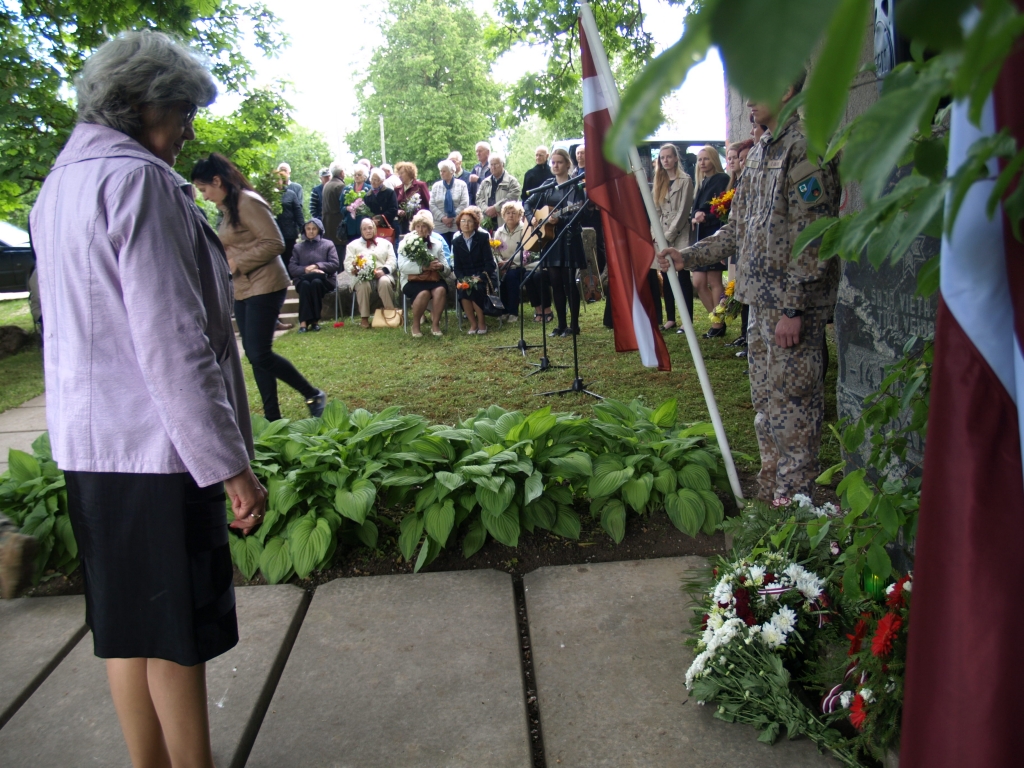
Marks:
<point>965,668</point>
<point>627,234</point>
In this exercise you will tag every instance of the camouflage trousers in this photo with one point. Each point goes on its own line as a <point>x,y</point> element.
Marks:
<point>788,394</point>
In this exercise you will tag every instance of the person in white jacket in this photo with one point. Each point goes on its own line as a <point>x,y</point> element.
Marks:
<point>448,198</point>
<point>425,285</point>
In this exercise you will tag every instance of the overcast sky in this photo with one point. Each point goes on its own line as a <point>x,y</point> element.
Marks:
<point>328,40</point>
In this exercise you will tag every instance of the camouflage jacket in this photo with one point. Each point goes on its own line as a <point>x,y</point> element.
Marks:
<point>779,193</point>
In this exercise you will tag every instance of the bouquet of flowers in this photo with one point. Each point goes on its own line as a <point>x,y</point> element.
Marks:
<point>415,249</point>
<point>412,205</point>
<point>728,307</point>
<point>364,267</point>
<point>356,205</point>
<point>721,205</point>
<point>468,283</point>
<point>871,693</point>
<point>763,611</point>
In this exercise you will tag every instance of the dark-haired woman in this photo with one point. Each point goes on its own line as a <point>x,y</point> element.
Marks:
<point>253,244</point>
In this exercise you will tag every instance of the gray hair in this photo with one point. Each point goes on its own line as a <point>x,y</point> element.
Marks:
<point>337,169</point>
<point>423,217</point>
<point>455,155</point>
<point>483,144</point>
<point>378,173</point>
<point>446,164</point>
<point>543,149</point>
<point>137,70</point>
<point>496,156</point>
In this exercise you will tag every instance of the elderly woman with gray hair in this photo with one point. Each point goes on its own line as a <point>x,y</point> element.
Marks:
<point>146,403</point>
<point>448,198</point>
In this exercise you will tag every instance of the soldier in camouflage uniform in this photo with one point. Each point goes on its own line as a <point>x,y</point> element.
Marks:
<point>780,192</point>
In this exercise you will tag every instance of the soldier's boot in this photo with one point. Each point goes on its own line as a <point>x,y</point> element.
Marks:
<point>17,562</point>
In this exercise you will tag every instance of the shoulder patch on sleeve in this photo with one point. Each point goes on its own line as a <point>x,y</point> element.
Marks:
<point>810,190</point>
<point>802,170</point>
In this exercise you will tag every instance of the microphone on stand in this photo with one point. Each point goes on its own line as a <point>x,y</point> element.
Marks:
<point>548,183</point>
<point>578,179</point>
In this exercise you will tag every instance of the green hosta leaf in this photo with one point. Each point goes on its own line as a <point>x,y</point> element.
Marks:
<point>356,503</point>
<point>305,427</point>
<point>503,527</point>
<point>276,561</point>
<point>494,504</point>
<point>367,534</point>
<point>559,494</point>
<point>477,470</point>
<point>568,524</point>
<point>38,523</point>
<point>449,480</point>
<point>428,551</point>
<point>476,537</point>
<point>695,477</point>
<point>293,449</point>
<point>666,414</point>
<point>461,435</point>
<point>412,529</point>
<point>490,483</point>
<point>665,481</point>
<point>502,456</point>
<point>335,415</point>
<point>246,552</point>
<point>328,558</point>
<point>575,464</point>
<point>879,562</point>
<point>606,484</point>
<point>22,466</point>
<point>41,447</point>
<point>406,476</point>
<point>829,84</point>
<point>685,509</point>
<point>533,488</point>
<point>507,421</point>
<point>703,458</point>
<point>63,525</point>
<point>308,540</point>
<point>485,429</point>
<point>438,521</point>
<point>540,513</point>
<point>282,495</point>
<point>433,448</point>
<point>714,511</point>
<point>613,519</point>
<point>425,497</point>
<point>538,424</point>
<point>637,492</point>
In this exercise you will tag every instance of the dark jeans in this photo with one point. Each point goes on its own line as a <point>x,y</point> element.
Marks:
<point>312,288</point>
<point>510,289</point>
<point>257,318</point>
<point>655,285</point>
<point>564,290</point>
<point>686,283</point>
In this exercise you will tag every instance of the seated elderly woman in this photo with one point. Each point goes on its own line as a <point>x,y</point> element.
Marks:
<point>510,256</point>
<point>474,267</point>
<point>448,198</point>
<point>313,266</point>
<point>423,262</point>
<point>146,400</point>
<point>371,259</point>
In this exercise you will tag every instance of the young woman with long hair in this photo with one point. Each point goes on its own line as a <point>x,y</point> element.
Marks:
<point>673,198</point>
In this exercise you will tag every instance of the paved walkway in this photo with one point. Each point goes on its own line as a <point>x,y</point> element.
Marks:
<point>418,671</point>
<point>20,426</point>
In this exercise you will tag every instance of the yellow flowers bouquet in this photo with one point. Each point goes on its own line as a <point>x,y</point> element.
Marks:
<point>728,307</point>
<point>364,267</point>
<point>721,205</point>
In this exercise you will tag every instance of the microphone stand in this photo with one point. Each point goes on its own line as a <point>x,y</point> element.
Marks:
<point>521,345</point>
<point>577,381</point>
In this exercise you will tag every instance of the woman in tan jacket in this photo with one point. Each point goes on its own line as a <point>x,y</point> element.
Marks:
<point>253,245</point>
<point>673,197</point>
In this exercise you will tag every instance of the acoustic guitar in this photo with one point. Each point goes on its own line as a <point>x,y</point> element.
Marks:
<point>538,238</point>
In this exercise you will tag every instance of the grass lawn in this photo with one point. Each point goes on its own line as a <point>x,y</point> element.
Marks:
<point>21,374</point>
<point>448,378</point>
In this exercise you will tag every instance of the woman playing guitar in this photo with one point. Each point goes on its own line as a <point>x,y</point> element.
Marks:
<point>567,255</point>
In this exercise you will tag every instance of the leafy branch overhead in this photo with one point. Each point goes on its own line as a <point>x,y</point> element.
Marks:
<point>908,124</point>
<point>43,48</point>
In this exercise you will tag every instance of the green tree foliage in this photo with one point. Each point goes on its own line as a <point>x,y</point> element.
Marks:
<point>556,93</point>
<point>43,47</point>
<point>431,82</point>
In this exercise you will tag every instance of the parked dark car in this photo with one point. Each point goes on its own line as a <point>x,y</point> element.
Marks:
<point>16,259</point>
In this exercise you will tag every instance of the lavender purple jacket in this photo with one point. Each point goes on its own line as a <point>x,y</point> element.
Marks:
<point>142,368</point>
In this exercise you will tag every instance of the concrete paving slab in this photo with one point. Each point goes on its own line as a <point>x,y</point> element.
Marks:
<point>24,418</point>
<point>610,663</point>
<point>70,720</point>
<point>402,672</point>
<point>39,401</point>
<point>35,636</point>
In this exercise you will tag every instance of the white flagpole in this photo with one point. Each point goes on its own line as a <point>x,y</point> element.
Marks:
<point>604,72</point>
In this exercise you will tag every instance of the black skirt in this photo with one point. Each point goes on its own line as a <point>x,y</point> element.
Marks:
<point>156,565</point>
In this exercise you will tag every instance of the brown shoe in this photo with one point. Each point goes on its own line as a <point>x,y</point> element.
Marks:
<point>284,326</point>
<point>17,563</point>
